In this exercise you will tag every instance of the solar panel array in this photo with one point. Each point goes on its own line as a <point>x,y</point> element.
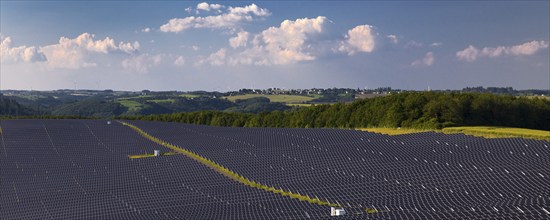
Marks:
<point>415,176</point>
<point>75,169</point>
<point>52,169</point>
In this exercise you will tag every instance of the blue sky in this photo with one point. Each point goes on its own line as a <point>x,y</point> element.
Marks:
<point>184,45</point>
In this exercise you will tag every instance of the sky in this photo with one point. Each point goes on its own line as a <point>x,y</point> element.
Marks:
<point>228,45</point>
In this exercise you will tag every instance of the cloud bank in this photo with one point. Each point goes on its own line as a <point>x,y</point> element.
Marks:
<point>240,40</point>
<point>472,53</point>
<point>75,53</point>
<point>290,42</point>
<point>9,54</point>
<point>68,53</point>
<point>231,18</point>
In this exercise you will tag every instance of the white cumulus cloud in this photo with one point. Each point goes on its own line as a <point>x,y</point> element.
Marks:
<point>231,18</point>
<point>528,48</point>
<point>358,39</point>
<point>472,53</point>
<point>427,60</point>
<point>288,43</point>
<point>469,54</point>
<point>207,7</point>
<point>128,47</point>
<point>250,9</point>
<point>217,58</point>
<point>240,40</point>
<point>73,53</point>
<point>18,54</point>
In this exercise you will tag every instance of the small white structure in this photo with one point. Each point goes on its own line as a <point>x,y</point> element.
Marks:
<point>108,122</point>
<point>337,211</point>
<point>156,153</point>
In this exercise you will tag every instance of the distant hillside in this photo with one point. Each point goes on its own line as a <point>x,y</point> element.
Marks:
<point>84,103</point>
<point>382,107</point>
<point>12,107</point>
<point>91,107</point>
<point>429,110</point>
<point>170,104</point>
<point>257,105</point>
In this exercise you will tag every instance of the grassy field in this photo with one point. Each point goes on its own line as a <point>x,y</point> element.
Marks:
<point>161,100</point>
<point>393,131</point>
<point>151,155</point>
<point>190,96</point>
<point>31,97</point>
<point>131,105</point>
<point>299,104</point>
<point>274,98</point>
<point>135,97</point>
<point>481,131</point>
<point>140,156</point>
<point>539,97</point>
<point>500,132</point>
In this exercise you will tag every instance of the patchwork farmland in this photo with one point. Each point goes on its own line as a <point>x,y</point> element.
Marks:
<point>59,169</point>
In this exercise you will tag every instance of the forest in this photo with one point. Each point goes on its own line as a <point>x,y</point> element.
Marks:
<point>423,110</point>
<point>12,107</point>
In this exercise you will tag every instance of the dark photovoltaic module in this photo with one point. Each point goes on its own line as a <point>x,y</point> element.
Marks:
<point>66,169</point>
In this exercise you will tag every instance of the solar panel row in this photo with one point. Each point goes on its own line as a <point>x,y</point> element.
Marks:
<point>427,175</point>
<point>58,169</point>
<point>53,169</point>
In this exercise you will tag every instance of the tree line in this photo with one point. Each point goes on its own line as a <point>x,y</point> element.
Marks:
<point>11,107</point>
<point>424,110</point>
